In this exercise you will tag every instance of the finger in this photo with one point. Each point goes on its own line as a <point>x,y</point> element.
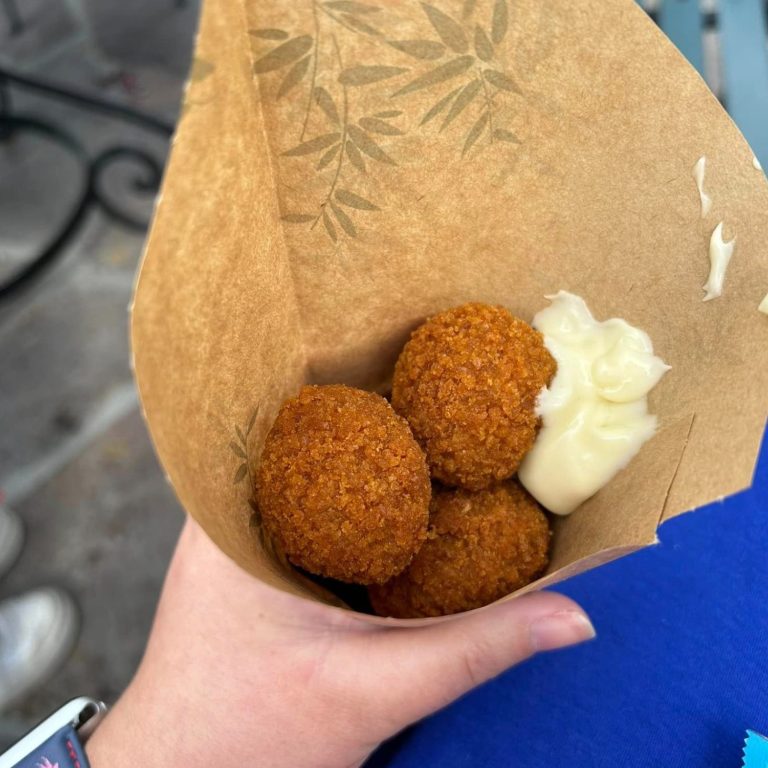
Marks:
<point>422,670</point>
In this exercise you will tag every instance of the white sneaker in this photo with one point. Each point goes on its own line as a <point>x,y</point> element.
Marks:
<point>37,633</point>
<point>11,539</point>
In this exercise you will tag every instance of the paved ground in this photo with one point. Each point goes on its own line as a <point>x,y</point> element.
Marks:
<point>75,459</point>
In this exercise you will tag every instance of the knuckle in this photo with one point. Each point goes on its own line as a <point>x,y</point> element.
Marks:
<point>478,662</point>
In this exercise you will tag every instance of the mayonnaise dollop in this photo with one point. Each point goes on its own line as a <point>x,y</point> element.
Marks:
<point>595,412</point>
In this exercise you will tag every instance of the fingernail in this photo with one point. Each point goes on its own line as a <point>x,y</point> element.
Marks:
<point>560,629</point>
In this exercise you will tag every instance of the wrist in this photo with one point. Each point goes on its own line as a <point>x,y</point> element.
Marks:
<point>117,743</point>
<point>134,735</point>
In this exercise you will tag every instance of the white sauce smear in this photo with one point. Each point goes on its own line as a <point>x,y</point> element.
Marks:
<point>756,164</point>
<point>763,307</point>
<point>720,254</point>
<point>595,412</point>
<point>698,174</point>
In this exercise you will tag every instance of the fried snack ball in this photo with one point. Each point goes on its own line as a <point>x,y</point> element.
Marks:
<point>342,486</point>
<point>481,546</point>
<point>467,383</point>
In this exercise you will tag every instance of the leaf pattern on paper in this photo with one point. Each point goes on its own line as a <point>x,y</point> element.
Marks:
<point>327,158</point>
<point>475,132</point>
<point>313,145</point>
<point>439,106</point>
<point>463,100</point>
<point>502,81</point>
<point>376,125</point>
<point>200,69</point>
<point>352,142</point>
<point>456,58</point>
<point>349,6</point>
<point>419,49</point>
<point>269,34</point>
<point>343,219</point>
<point>483,46</point>
<point>326,103</point>
<point>438,75</point>
<point>359,25</point>
<point>239,447</point>
<point>449,31</point>
<point>295,75</point>
<point>500,21</point>
<point>353,153</point>
<point>367,74</point>
<point>355,201</point>
<point>285,53</point>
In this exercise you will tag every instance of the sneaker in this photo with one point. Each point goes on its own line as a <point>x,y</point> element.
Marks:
<point>37,632</point>
<point>11,539</point>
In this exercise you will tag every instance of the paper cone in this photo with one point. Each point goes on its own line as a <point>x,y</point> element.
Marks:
<point>565,161</point>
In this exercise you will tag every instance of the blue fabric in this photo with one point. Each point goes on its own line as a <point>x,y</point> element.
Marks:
<point>677,674</point>
<point>62,750</point>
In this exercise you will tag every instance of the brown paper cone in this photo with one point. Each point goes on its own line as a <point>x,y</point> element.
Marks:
<point>325,194</point>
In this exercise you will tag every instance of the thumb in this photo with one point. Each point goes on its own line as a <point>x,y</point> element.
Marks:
<point>423,669</point>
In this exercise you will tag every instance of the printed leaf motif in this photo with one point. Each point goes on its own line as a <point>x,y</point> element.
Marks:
<point>237,450</point>
<point>242,470</point>
<point>355,201</point>
<point>374,125</point>
<point>500,21</point>
<point>328,224</point>
<point>365,75</point>
<point>314,145</point>
<point>344,220</point>
<point>269,34</point>
<point>284,54</point>
<point>419,49</point>
<point>389,113</point>
<point>256,511</point>
<point>463,100</point>
<point>200,69</point>
<point>252,421</point>
<point>440,74</point>
<point>503,135</point>
<point>468,9</point>
<point>483,46</point>
<point>450,32</point>
<point>325,102</point>
<point>328,157</point>
<point>349,6</point>
<point>437,108</point>
<point>240,435</point>
<point>475,132</point>
<point>360,25</point>
<point>368,146</point>
<point>298,218</point>
<point>500,80</point>
<point>353,153</point>
<point>295,75</point>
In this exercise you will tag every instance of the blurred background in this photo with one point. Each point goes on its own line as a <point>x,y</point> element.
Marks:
<point>75,460</point>
<point>78,173</point>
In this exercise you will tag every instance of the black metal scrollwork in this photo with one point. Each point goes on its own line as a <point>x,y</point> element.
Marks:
<point>147,170</point>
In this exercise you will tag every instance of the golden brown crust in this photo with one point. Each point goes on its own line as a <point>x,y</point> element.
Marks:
<point>467,383</point>
<point>343,486</point>
<point>480,547</point>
